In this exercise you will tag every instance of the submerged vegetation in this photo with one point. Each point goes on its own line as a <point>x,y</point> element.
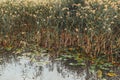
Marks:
<point>83,31</point>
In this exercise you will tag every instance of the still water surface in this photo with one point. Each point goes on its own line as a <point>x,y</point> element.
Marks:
<point>14,67</point>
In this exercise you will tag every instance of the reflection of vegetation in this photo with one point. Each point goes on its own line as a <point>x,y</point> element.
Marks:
<point>90,32</point>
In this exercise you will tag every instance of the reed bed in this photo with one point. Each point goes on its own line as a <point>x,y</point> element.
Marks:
<point>92,25</point>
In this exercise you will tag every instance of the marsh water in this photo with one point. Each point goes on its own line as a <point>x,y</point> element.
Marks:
<point>31,67</point>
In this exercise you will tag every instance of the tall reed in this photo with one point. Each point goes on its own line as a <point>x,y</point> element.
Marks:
<point>92,25</point>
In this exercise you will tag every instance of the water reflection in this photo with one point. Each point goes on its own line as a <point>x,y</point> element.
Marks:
<point>14,67</point>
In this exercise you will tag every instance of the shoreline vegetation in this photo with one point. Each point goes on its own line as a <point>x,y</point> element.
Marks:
<point>78,30</point>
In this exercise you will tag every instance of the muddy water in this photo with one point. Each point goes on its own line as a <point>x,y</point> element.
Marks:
<point>29,67</point>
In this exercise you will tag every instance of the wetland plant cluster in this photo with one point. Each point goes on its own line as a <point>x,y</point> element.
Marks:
<point>81,30</point>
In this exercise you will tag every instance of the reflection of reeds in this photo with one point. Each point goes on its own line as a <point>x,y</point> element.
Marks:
<point>91,26</point>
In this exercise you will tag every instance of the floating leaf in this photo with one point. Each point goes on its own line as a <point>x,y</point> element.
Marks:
<point>99,74</point>
<point>9,48</point>
<point>70,49</point>
<point>111,74</point>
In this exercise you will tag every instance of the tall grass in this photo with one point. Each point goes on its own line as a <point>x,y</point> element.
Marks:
<point>90,25</point>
